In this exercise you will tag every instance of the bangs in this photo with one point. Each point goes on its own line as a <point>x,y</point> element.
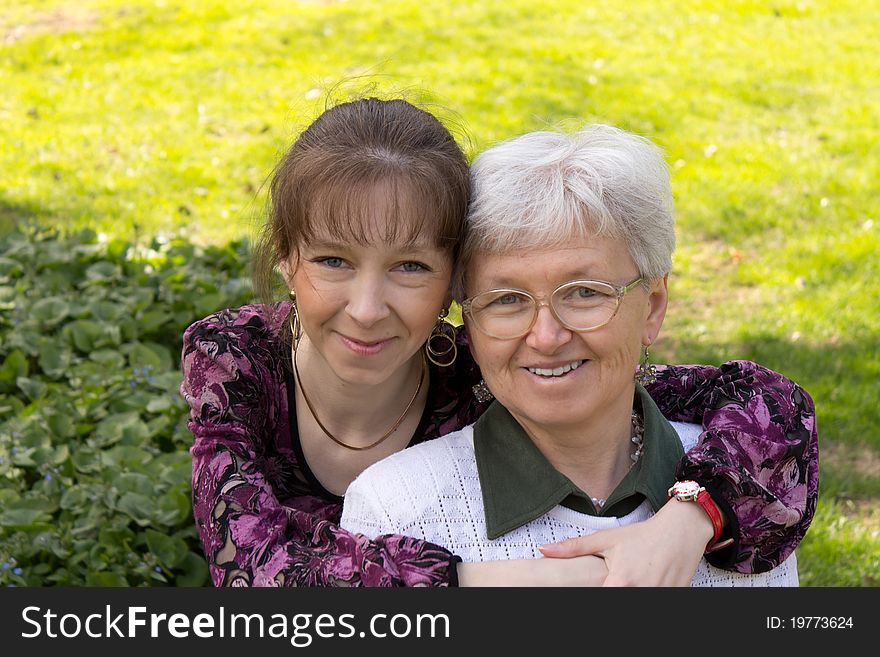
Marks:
<point>384,209</point>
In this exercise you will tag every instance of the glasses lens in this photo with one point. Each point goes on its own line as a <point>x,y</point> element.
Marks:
<point>502,313</point>
<point>584,305</point>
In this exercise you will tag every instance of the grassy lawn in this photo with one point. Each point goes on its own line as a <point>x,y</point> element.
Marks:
<point>139,119</point>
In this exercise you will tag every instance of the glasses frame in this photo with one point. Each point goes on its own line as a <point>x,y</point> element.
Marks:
<point>544,300</point>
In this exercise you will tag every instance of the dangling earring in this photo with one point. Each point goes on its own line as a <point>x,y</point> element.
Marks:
<point>445,333</point>
<point>293,320</point>
<point>646,373</point>
<point>482,392</point>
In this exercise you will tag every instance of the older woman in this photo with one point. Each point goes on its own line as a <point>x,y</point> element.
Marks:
<point>565,269</point>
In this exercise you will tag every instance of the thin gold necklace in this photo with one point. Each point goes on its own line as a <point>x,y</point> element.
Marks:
<point>387,433</point>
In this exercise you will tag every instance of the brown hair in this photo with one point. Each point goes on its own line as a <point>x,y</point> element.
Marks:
<point>329,177</point>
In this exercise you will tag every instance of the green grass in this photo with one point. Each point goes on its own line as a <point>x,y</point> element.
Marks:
<point>140,118</point>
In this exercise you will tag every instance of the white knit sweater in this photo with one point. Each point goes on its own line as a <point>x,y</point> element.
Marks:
<point>432,491</point>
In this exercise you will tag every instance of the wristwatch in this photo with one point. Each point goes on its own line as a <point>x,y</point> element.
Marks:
<point>691,491</point>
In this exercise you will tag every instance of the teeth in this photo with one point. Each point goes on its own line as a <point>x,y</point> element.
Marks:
<point>556,371</point>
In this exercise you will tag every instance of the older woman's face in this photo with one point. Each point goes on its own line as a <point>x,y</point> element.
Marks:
<point>603,360</point>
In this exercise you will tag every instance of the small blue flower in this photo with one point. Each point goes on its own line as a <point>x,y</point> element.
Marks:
<point>5,566</point>
<point>48,477</point>
<point>13,451</point>
<point>133,383</point>
<point>137,371</point>
<point>16,571</point>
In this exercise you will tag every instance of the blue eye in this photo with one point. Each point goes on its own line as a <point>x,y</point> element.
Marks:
<point>413,267</point>
<point>332,262</point>
<point>507,299</point>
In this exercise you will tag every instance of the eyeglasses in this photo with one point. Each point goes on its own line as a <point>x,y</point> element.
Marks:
<point>577,305</point>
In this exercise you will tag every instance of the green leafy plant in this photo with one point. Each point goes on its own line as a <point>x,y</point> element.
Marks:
<point>94,467</point>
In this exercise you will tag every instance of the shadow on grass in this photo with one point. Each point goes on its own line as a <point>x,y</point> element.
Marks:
<point>16,216</point>
<point>842,380</point>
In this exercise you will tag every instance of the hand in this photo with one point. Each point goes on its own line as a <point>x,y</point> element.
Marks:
<point>576,571</point>
<point>664,550</point>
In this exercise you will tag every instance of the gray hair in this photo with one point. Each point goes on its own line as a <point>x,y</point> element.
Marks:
<point>544,189</point>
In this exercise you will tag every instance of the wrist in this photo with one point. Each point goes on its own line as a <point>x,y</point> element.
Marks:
<point>690,520</point>
<point>692,495</point>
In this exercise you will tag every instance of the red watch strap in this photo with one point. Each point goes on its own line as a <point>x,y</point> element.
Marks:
<point>705,500</point>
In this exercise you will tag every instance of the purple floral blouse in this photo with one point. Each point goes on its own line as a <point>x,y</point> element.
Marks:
<point>265,520</point>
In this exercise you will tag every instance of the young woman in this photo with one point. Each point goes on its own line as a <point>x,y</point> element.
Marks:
<point>291,401</point>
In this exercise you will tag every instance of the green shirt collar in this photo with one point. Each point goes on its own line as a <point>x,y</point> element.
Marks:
<point>519,484</point>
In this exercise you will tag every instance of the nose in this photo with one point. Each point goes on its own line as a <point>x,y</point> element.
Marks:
<point>547,334</point>
<point>367,303</point>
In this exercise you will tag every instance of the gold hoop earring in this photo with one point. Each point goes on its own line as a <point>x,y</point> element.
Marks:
<point>646,373</point>
<point>293,320</point>
<point>445,333</point>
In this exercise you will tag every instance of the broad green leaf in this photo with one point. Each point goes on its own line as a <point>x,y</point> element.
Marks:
<point>174,507</point>
<point>86,334</point>
<point>86,459</point>
<point>10,406</point>
<point>159,404</point>
<point>115,536</point>
<point>105,578</point>
<point>152,320</point>
<point>163,354</point>
<point>175,468</point>
<point>37,504</point>
<point>111,429</point>
<point>54,359</point>
<point>103,272</point>
<point>61,424</point>
<point>169,550</point>
<point>140,356</point>
<point>169,381</point>
<point>32,388</point>
<point>105,311</point>
<point>10,267</point>
<point>23,517</point>
<point>50,310</point>
<point>126,456</point>
<point>194,571</point>
<point>209,303</point>
<point>138,506</point>
<point>110,358</point>
<point>75,497</point>
<point>134,482</point>
<point>14,366</point>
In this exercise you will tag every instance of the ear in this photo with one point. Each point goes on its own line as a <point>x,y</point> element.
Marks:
<point>658,299</point>
<point>288,268</point>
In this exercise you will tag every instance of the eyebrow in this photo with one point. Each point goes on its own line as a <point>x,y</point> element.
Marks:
<point>571,275</point>
<point>341,246</point>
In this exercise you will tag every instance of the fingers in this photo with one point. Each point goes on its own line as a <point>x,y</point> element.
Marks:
<point>576,547</point>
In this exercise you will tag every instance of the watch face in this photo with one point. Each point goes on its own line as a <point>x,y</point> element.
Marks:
<point>685,489</point>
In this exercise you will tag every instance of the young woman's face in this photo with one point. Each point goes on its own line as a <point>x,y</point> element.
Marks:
<point>368,309</point>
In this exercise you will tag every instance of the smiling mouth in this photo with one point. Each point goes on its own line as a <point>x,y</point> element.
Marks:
<point>556,371</point>
<point>364,343</point>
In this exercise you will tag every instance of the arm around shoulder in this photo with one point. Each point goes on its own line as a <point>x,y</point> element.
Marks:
<point>757,455</point>
<point>251,537</point>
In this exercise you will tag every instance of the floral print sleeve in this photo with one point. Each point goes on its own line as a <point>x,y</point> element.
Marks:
<point>757,457</point>
<point>259,522</point>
